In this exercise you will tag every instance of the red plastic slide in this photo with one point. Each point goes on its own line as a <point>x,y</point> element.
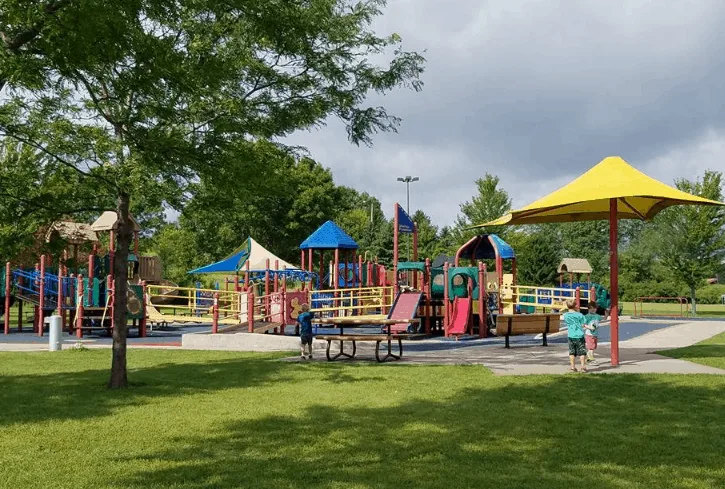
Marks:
<point>459,318</point>
<point>404,307</point>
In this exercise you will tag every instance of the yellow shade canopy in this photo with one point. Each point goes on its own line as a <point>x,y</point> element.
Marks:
<point>588,197</point>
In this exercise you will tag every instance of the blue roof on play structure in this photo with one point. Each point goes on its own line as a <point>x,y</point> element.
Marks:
<point>329,236</point>
<point>484,247</point>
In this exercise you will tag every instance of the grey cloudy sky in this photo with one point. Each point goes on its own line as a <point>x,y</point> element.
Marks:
<point>537,92</point>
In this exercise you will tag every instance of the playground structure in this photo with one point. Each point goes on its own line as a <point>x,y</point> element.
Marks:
<point>82,296</point>
<point>461,296</point>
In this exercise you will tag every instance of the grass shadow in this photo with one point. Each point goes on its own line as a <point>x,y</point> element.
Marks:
<point>34,393</point>
<point>600,432</point>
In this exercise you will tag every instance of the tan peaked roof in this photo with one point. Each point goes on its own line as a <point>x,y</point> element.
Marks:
<point>575,265</point>
<point>73,232</point>
<point>107,222</point>
<point>259,255</point>
<point>587,197</point>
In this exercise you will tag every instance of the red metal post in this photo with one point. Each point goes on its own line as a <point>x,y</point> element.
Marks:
<point>309,260</point>
<point>578,298</point>
<point>428,290</point>
<point>8,278</point>
<point>266,288</point>
<point>359,270</point>
<point>79,307</point>
<point>395,246</point>
<point>415,253</point>
<point>346,257</point>
<point>446,305</point>
<point>276,276</point>
<point>142,322</point>
<point>90,278</point>
<point>236,282</point>
<point>482,303</point>
<point>247,275</point>
<point>614,280</point>
<point>41,296</point>
<point>370,274</point>
<point>336,270</point>
<point>215,314</point>
<point>302,260</point>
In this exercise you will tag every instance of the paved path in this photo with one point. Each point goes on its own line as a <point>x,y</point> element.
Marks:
<point>526,358</point>
<point>640,339</point>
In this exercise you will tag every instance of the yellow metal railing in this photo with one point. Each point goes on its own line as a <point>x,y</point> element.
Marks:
<point>539,297</point>
<point>194,305</point>
<point>352,301</point>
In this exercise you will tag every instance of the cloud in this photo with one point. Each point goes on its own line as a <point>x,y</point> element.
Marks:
<point>539,92</point>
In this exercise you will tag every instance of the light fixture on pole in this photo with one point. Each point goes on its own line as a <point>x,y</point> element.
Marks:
<point>407,179</point>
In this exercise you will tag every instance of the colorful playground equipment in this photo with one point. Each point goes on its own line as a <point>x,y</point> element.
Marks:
<point>81,294</point>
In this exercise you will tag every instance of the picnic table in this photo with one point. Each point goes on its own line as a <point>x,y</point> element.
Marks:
<point>351,321</point>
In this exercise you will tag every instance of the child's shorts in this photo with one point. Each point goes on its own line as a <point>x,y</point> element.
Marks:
<point>576,347</point>
<point>591,342</point>
<point>306,339</point>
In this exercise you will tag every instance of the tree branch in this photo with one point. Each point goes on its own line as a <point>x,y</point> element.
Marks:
<point>57,158</point>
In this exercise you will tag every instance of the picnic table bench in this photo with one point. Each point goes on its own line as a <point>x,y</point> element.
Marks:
<point>516,324</point>
<point>341,322</point>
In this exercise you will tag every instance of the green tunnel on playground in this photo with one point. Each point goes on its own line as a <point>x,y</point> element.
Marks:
<point>458,280</point>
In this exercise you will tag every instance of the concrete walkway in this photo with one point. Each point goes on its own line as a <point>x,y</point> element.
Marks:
<point>525,357</point>
<point>636,355</point>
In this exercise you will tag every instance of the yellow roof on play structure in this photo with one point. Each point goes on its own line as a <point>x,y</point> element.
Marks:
<point>587,198</point>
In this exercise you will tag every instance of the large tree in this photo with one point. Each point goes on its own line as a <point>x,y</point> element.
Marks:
<point>692,238</point>
<point>539,254</point>
<point>490,202</point>
<point>427,235</point>
<point>144,97</point>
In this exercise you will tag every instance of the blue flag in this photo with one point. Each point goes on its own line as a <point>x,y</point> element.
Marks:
<point>405,223</point>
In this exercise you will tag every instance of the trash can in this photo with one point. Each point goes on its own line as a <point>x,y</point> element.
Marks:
<point>55,343</point>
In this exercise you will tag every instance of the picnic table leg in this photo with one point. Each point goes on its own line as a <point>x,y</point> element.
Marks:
<point>389,354</point>
<point>341,353</point>
<point>507,342</point>
<point>546,343</point>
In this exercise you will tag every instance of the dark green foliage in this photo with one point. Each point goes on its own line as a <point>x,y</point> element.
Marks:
<point>539,258</point>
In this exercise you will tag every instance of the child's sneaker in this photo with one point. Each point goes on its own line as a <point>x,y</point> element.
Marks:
<point>309,357</point>
<point>302,357</point>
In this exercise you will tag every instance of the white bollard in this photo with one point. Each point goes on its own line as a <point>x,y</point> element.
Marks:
<point>55,343</point>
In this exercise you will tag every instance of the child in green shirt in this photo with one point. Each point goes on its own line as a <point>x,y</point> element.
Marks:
<point>574,321</point>
<point>591,333</point>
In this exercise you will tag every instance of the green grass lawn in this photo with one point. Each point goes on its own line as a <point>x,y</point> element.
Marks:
<point>221,419</point>
<point>703,310</point>
<point>709,352</point>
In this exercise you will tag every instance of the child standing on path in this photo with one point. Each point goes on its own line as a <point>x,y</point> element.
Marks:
<point>591,333</point>
<point>574,321</point>
<point>304,320</point>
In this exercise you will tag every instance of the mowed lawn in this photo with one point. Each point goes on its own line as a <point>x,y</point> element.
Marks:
<point>220,419</point>
<point>674,309</point>
<point>709,352</point>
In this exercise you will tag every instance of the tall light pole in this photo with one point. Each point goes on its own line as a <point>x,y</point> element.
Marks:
<point>407,179</point>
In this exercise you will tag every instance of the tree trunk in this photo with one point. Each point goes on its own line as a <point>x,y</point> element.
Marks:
<point>124,234</point>
<point>694,302</point>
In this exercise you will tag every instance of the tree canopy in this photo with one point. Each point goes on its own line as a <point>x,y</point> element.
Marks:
<point>148,98</point>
